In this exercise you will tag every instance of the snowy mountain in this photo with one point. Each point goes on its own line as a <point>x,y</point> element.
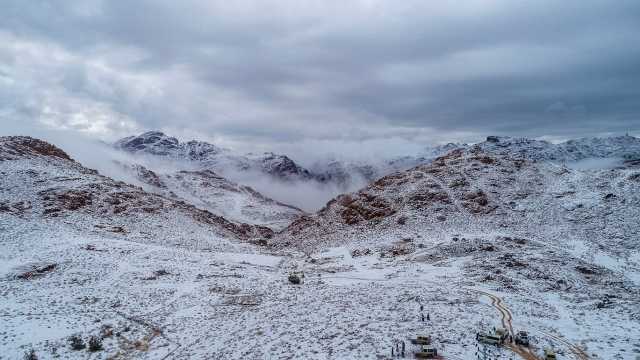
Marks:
<point>42,183</point>
<point>207,156</point>
<point>512,224</point>
<point>207,190</point>
<point>627,147</point>
<point>348,172</point>
<point>485,187</point>
<point>497,234</point>
<point>343,173</point>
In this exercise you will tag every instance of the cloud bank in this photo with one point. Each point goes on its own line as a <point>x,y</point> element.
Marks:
<point>309,76</point>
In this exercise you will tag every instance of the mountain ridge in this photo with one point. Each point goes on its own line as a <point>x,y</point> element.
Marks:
<point>346,173</point>
<point>53,185</point>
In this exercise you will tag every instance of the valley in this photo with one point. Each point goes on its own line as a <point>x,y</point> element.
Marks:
<point>473,240</point>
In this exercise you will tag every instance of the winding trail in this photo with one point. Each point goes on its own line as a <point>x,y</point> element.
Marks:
<point>506,318</point>
<point>525,352</point>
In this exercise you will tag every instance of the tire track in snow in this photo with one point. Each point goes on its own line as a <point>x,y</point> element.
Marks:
<point>577,351</point>
<point>525,353</point>
<point>506,318</point>
<point>505,313</point>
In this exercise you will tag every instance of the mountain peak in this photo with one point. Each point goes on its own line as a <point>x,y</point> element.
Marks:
<point>154,142</point>
<point>211,156</point>
<point>153,133</point>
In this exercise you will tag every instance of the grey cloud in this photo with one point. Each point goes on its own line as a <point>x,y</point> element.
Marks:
<point>269,74</point>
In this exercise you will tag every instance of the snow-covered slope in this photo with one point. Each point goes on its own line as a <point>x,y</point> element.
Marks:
<point>42,183</point>
<point>482,187</point>
<point>623,147</point>
<point>207,190</point>
<point>511,224</point>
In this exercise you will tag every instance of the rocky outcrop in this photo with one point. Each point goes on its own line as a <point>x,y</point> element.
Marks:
<point>13,147</point>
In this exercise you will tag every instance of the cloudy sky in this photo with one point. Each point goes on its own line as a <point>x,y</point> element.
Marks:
<point>321,75</point>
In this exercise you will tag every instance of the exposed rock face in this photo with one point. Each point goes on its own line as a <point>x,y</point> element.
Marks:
<point>281,165</point>
<point>13,147</point>
<point>152,142</point>
<point>364,208</point>
<point>55,201</point>
<point>149,177</point>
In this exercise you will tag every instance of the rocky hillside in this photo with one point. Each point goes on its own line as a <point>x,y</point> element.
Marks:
<point>41,183</point>
<point>509,223</point>
<point>207,190</point>
<point>625,147</point>
<point>482,188</point>
<point>348,172</point>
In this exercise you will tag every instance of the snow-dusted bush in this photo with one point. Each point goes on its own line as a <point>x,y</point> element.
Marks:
<point>95,344</point>
<point>76,342</point>
<point>30,355</point>
<point>294,279</point>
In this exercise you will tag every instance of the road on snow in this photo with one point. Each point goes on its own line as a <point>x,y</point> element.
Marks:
<point>524,352</point>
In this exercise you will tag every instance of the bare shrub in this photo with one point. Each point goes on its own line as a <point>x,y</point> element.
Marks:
<point>76,342</point>
<point>294,279</point>
<point>95,344</point>
<point>30,355</point>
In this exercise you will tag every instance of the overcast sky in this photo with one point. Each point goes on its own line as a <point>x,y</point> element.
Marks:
<point>321,75</point>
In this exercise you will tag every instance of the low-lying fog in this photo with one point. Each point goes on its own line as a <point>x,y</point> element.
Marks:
<point>309,196</point>
<point>595,163</point>
<point>306,195</point>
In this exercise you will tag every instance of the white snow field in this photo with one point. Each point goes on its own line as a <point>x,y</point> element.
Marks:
<point>476,239</point>
<point>179,302</point>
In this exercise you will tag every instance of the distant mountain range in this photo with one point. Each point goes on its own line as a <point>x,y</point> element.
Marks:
<point>346,173</point>
<point>202,155</point>
<point>209,156</point>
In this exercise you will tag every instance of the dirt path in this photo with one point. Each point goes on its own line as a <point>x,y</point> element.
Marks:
<point>505,313</point>
<point>506,318</point>
<point>526,353</point>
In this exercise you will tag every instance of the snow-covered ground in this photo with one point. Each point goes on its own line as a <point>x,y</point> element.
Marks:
<point>177,303</point>
<point>158,279</point>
